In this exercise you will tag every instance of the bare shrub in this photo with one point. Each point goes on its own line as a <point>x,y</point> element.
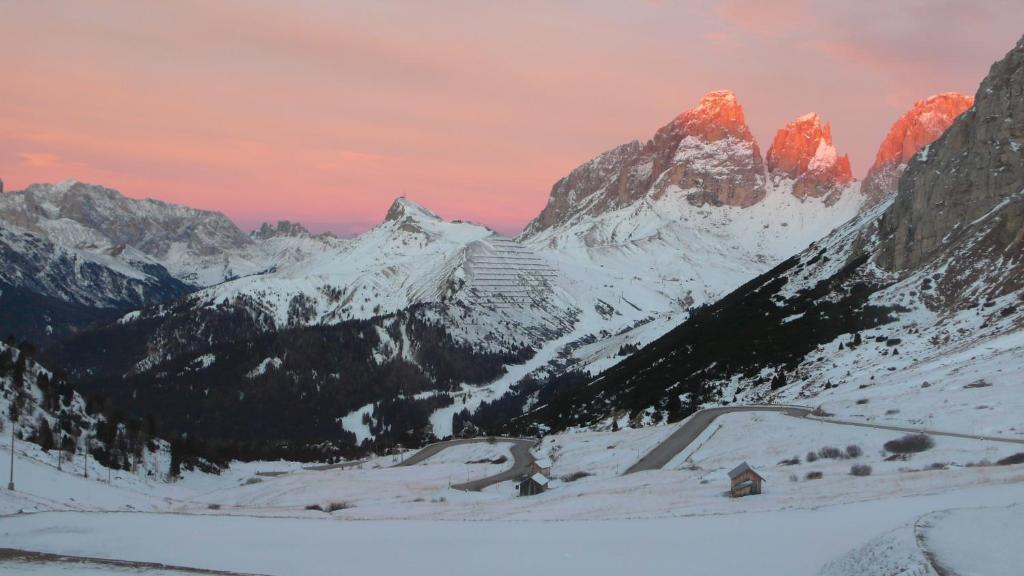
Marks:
<point>978,384</point>
<point>812,456</point>
<point>316,507</point>
<point>860,470</point>
<point>793,478</point>
<point>830,452</point>
<point>853,451</point>
<point>821,413</point>
<point>937,466</point>
<point>1017,458</point>
<point>575,476</point>
<point>213,507</point>
<point>909,444</point>
<point>335,506</point>
<point>863,401</point>
<point>813,475</point>
<point>790,461</point>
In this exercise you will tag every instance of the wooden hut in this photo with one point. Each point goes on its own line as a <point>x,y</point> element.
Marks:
<point>541,466</point>
<point>533,485</point>
<point>745,481</point>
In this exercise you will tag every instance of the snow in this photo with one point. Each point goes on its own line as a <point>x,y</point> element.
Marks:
<point>824,157</point>
<point>264,365</point>
<point>787,541</point>
<point>353,422</point>
<point>991,545</point>
<point>262,525</point>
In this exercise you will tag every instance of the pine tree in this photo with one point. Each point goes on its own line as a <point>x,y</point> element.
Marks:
<point>675,408</point>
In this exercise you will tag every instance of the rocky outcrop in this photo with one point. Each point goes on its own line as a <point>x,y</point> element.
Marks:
<point>707,152</point>
<point>803,152</point>
<point>920,126</point>
<point>960,205</point>
<point>283,229</point>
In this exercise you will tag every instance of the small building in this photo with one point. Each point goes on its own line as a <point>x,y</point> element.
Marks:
<point>533,485</point>
<point>541,466</point>
<point>745,481</point>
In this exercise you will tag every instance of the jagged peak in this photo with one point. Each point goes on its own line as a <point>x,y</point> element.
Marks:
<point>404,209</point>
<point>718,115</point>
<point>926,120</point>
<point>804,146</point>
<point>283,228</point>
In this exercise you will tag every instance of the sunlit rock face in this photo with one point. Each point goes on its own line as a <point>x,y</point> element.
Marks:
<point>707,151</point>
<point>919,127</point>
<point>959,210</point>
<point>803,151</point>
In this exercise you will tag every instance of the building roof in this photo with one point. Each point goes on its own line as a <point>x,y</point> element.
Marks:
<point>540,479</point>
<point>542,462</point>
<point>741,469</point>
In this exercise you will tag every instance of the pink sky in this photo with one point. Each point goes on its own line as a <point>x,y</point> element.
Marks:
<point>324,111</point>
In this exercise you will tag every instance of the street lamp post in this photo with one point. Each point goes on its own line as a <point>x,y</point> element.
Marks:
<point>10,483</point>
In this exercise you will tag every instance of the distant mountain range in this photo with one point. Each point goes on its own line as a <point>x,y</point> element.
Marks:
<point>171,302</point>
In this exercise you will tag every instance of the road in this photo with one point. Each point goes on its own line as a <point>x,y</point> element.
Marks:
<point>24,560</point>
<point>521,456</point>
<point>692,427</point>
<point>699,421</point>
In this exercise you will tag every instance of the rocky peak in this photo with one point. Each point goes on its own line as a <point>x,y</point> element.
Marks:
<point>917,128</point>
<point>959,209</point>
<point>403,209</point>
<point>718,115</point>
<point>803,151</point>
<point>706,153</point>
<point>104,214</point>
<point>283,228</point>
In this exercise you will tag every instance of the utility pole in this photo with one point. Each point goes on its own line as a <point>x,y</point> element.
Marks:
<point>10,484</point>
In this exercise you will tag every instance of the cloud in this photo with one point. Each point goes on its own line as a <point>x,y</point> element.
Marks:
<point>39,159</point>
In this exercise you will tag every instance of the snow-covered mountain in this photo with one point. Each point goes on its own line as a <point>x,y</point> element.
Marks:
<point>77,253</point>
<point>900,297</point>
<point>693,213</point>
<point>628,245</point>
<point>47,290</point>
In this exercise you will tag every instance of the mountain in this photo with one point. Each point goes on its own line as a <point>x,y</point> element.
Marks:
<point>691,214</point>
<point>803,151</point>
<point>708,150</point>
<point>920,126</point>
<point>47,290</point>
<point>896,300</point>
<point>76,254</point>
<point>194,245</point>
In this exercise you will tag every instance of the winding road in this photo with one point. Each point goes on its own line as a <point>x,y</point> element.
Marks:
<point>521,456</point>
<point>693,426</point>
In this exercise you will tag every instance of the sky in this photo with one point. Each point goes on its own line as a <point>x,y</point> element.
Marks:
<point>324,111</point>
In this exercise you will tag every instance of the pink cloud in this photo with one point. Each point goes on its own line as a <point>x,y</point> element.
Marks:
<point>38,159</point>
